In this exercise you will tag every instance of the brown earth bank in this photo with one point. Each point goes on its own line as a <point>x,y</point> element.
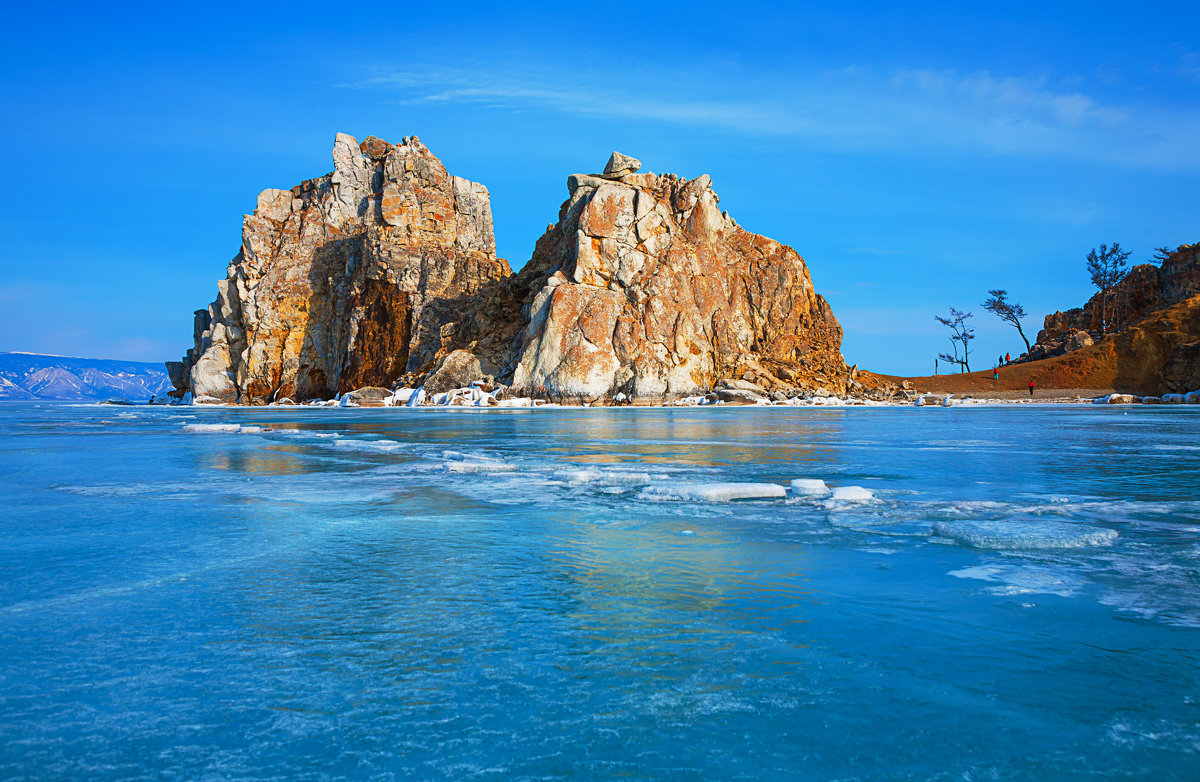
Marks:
<point>1159,355</point>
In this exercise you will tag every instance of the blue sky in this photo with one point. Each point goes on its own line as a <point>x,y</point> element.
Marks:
<point>915,156</point>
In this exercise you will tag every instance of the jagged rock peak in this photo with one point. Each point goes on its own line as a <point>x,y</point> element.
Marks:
<point>346,280</point>
<point>384,271</point>
<point>648,291</point>
<point>619,165</point>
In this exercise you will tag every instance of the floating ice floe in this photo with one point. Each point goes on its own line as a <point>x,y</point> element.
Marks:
<point>619,477</point>
<point>221,428</point>
<point>717,492</point>
<point>473,463</point>
<point>1024,534</point>
<point>852,494</point>
<point>809,487</point>
<point>366,446</point>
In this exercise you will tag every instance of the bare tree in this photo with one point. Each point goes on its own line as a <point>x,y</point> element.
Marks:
<point>1106,267</point>
<point>961,337</point>
<point>1161,254</point>
<point>1008,311</point>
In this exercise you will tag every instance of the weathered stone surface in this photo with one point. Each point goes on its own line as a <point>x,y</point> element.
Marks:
<point>385,271</point>
<point>1077,340</point>
<point>734,396</point>
<point>1145,289</point>
<point>741,385</point>
<point>178,375</point>
<point>374,148</point>
<point>370,396</point>
<point>457,369</point>
<point>645,288</point>
<point>619,165</point>
<point>1181,369</point>
<point>347,280</point>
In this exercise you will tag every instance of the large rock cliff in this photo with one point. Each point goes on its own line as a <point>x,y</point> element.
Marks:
<point>346,280</point>
<point>644,290</point>
<point>385,272</point>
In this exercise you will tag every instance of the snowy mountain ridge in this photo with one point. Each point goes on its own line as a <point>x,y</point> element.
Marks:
<point>25,376</point>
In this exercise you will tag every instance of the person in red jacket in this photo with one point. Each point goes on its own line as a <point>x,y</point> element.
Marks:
<point>1031,388</point>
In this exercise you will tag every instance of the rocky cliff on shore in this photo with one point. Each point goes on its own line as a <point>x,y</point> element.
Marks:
<point>1144,290</point>
<point>1156,347</point>
<point>384,273</point>
<point>345,280</point>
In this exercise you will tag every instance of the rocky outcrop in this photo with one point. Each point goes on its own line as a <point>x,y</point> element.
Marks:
<point>345,281</point>
<point>384,272</point>
<point>644,290</point>
<point>1145,289</point>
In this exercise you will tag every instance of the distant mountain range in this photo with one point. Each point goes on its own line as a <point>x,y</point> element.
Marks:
<point>35,376</point>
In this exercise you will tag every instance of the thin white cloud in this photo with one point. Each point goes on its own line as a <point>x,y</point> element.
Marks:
<point>846,108</point>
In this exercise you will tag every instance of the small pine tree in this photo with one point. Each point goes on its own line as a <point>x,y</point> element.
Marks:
<point>1106,267</point>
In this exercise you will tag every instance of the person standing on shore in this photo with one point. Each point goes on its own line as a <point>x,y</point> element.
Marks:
<point>1031,388</point>
<point>996,373</point>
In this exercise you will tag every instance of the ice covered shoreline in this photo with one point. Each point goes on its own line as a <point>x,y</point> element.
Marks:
<point>476,398</point>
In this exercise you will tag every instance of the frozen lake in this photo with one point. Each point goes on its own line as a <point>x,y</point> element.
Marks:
<point>975,593</point>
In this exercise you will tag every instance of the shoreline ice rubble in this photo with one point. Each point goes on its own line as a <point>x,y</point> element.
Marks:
<point>1015,534</point>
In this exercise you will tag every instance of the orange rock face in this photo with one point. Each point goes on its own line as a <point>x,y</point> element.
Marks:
<point>1145,289</point>
<point>341,281</point>
<point>1157,350</point>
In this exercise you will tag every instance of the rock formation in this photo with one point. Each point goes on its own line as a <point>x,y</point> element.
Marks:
<point>344,281</point>
<point>645,289</point>
<point>385,272</point>
<point>1145,289</point>
<point>1157,349</point>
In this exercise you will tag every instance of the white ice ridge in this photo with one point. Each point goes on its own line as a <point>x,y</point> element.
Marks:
<point>473,463</point>
<point>1024,535</point>
<point>852,494</point>
<point>587,475</point>
<point>809,487</point>
<point>369,446</point>
<point>717,492</point>
<point>217,428</point>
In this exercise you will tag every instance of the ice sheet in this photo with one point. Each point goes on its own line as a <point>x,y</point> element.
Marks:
<point>1024,534</point>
